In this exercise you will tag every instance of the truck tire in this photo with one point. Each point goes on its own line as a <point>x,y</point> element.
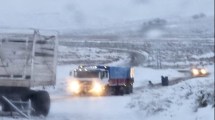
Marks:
<point>112,90</point>
<point>12,93</point>
<point>127,89</point>
<point>5,107</point>
<point>40,102</point>
<point>122,90</point>
<point>107,91</point>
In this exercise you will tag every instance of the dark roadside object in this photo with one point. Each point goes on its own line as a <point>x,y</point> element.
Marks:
<point>164,81</point>
<point>151,84</point>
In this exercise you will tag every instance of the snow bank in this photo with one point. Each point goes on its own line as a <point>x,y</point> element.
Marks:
<point>176,102</point>
<point>143,75</point>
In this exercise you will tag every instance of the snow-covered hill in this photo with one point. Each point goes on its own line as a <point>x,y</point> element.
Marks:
<point>180,101</point>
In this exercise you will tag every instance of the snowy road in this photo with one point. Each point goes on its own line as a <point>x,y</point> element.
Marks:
<point>66,107</point>
<point>129,107</point>
<point>92,108</point>
<point>69,107</point>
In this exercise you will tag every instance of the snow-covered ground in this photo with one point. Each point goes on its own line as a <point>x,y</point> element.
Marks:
<point>180,23</point>
<point>170,103</point>
<point>167,103</point>
<point>85,55</point>
<point>175,102</point>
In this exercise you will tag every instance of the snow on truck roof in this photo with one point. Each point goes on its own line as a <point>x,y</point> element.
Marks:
<point>89,68</point>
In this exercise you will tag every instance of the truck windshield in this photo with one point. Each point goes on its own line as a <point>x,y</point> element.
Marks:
<point>86,74</point>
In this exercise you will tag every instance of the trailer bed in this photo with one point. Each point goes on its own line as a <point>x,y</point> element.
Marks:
<point>27,59</point>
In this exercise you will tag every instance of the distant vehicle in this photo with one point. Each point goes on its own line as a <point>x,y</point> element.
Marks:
<point>101,80</point>
<point>28,59</point>
<point>199,72</point>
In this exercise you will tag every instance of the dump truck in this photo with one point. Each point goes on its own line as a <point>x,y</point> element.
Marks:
<point>28,59</point>
<point>101,80</point>
<point>88,80</point>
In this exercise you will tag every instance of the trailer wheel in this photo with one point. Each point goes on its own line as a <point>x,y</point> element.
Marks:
<point>122,90</point>
<point>115,90</point>
<point>40,102</point>
<point>127,89</point>
<point>5,107</point>
<point>112,90</point>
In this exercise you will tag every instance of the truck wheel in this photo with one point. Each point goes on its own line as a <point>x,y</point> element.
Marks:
<point>40,102</point>
<point>127,89</point>
<point>5,107</point>
<point>107,91</point>
<point>112,90</point>
<point>117,90</point>
<point>122,90</point>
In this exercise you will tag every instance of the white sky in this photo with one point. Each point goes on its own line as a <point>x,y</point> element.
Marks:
<point>73,14</point>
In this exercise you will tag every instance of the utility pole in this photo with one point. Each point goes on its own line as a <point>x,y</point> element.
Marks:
<point>159,65</point>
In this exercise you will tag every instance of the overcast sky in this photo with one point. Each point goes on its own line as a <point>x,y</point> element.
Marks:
<point>77,14</point>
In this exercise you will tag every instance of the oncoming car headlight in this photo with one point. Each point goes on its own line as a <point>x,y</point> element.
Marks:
<point>195,72</point>
<point>203,71</point>
<point>74,86</point>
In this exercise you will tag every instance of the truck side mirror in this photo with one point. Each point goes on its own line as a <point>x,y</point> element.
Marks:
<point>70,73</point>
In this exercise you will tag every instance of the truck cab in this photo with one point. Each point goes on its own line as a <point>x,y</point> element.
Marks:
<point>100,80</point>
<point>88,80</point>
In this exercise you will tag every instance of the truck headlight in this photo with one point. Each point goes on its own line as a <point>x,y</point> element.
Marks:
<point>74,86</point>
<point>203,71</point>
<point>97,88</point>
<point>195,72</point>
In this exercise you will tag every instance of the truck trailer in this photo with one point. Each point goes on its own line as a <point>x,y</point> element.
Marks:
<point>121,80</point>
<point>28,59</point>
